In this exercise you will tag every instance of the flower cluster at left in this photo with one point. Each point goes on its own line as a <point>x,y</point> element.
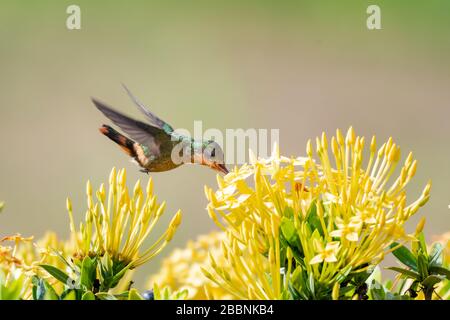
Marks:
<point>117,224</point>
<point>20,261</point>
<point>99,258</point>
<point>14,282</point>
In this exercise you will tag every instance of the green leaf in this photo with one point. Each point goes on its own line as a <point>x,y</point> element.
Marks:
<point>13,290</point>
<point>377,291</point>
<point>440,270</point>
<point>166,294</point>
<point>35,283</point>
<point>297,276</point>
<point>50,293</point>
<point>423,265</point>
<point>70,295</point>
<point>445,288</point>
<point>312,211</point>
<point>156,292</point>
<point>344,290</point>
<point>106,272</point>
<point>68,292</point>
<point>122,296</point>
<point>289,232</point>
<point>430,281</point>
<point>388,284</point>
<point>134,295</point>
<point>8,293</point>
<point>423,244</point>
<point>43,291</point>
<point>118,276</point>
<point>40,289</point>
<point>313,219</point>
<point>106,266</point>
<point>182,295</point>
<point>408,273</point>
<point>88,296</point>
<point>56,273</point>
<point>88,272</point>
<point>405,256</point>
<point>343,274</point>
<point>288,213</point>
<point>436,254</point>
<point>294,293</point>
<point>105,296</point>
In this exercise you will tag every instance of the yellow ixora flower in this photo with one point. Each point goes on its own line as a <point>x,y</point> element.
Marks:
<point>117,223</point>
<point>181,270</point>
<point>15,272</point>
<point>349,231</point>
<point>10,256</point>
<point>23,259</point>
<point>336,208</point>
<point>327,254</point>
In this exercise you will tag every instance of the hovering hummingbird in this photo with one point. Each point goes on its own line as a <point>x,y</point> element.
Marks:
<point>156,146</point>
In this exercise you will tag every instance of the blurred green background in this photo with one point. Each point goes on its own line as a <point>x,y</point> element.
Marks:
<point>300,66</point>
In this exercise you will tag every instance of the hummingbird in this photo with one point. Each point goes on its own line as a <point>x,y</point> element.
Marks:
<point>155,146</point>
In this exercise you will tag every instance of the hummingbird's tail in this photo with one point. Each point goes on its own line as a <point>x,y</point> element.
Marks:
<point>125,143</point>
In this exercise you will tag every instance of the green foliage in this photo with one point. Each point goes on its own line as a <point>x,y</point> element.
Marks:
<point>424,270</point>
<point>168,294</point>
<point>134,295</point>
<point>56,273</point>
<point>92,278</point>
<point>42,290</point>
<point>111,272</point>
<point>88,295</point>
<point>12,290</point>
<point>88,273</point>
<point>405,256</point>
<point>301,284</point>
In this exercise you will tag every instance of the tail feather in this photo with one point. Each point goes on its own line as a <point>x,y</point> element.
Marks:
<point>125,143</point>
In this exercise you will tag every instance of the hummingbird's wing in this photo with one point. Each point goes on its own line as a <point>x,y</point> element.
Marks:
<point>142,133</point>
<point>152,117</point>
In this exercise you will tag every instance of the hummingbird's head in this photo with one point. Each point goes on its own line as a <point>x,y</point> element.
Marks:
<point>213,156</point>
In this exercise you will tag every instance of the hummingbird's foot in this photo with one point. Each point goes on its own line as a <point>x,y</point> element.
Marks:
<point>144,171</point>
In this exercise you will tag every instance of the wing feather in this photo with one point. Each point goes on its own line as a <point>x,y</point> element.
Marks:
<point>141,132</point>
<point>151,116</point>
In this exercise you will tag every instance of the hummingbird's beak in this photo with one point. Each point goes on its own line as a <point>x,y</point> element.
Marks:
<point>221,167</point>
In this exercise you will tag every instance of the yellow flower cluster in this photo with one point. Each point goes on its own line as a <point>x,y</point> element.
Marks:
<point>21,261</point>
<point>43,250</point>
<point>181,270</point>
<point>11,257</point>
<point>14,271</point>
<point>118,224</point>
<point>342,209</point>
